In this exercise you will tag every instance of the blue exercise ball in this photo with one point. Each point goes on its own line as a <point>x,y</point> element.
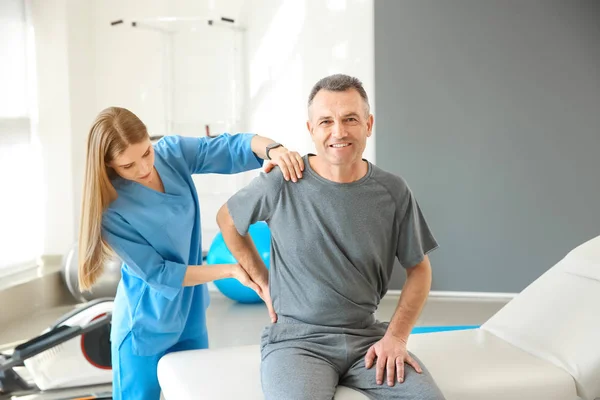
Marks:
<point>220,254</point>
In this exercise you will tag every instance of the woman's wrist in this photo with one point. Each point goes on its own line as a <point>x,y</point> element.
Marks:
<point>228,270</point>
<point>222,271</point>
<point>273,153</point>
<point>259,145</point>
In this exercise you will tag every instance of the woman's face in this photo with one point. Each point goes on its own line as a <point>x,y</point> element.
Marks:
<point>136,163</point>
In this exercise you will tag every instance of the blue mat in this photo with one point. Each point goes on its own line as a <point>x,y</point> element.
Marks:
<point>429,329</point>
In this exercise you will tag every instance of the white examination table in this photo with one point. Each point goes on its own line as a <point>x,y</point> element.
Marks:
<point>544,344</point>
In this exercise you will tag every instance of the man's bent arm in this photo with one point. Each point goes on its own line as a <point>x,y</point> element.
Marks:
<point>412,299</point>
<point>242,248</point>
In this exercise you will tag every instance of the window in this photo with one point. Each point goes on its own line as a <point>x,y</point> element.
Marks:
<point>20,159</point>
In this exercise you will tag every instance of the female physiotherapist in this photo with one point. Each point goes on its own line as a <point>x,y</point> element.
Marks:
<point>140,203</point>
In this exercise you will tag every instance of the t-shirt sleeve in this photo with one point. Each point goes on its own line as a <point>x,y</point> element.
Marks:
<point>415,237</point>
<point>257,201</point>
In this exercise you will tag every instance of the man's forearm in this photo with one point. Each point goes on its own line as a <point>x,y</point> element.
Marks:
<point>242,248</point>
<point>412,299</point>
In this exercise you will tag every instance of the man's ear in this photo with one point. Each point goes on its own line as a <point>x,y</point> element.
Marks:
<point>370,123</point>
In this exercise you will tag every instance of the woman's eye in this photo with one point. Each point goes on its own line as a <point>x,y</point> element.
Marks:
<point>146,154</point>
<point>127,166</point>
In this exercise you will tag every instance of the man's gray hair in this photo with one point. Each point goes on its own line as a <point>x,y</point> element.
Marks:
<point>339,83</point>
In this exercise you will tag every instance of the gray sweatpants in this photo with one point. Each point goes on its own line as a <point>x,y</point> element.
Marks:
<point>303,361</point>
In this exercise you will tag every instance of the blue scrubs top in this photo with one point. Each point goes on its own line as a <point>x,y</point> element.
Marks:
<point>157,235</point>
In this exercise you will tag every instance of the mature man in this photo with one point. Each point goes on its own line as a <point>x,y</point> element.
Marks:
<point>334,237</point>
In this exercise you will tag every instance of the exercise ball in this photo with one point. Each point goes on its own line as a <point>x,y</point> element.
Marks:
<point>220,254</point>
<point>105,286</point>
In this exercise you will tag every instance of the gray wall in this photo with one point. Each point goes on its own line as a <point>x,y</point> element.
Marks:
<point>491,111</point>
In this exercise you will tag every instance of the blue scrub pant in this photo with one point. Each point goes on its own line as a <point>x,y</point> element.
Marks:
<point>135,377</point>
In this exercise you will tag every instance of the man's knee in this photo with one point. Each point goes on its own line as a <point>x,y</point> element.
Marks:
<point>416,386</point>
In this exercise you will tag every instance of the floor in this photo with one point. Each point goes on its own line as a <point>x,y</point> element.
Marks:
<point>30,326</point>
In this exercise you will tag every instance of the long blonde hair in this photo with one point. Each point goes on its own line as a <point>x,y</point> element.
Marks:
<point>112,132</point>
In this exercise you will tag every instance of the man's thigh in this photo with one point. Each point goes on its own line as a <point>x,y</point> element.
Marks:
<point>292,373</point>
<point>415,386</point>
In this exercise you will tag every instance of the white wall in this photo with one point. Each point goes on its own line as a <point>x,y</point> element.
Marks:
<point>82,91</point>
<point>128,64</point>
<point>64,52</point>
<point>292,44</point>
<point>87,65</point>
<point>54,123</point>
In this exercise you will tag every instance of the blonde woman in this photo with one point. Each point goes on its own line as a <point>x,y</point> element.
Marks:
<point>140,204</point>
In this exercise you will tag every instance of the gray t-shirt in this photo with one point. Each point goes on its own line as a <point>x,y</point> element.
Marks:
<point>333,244</point>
